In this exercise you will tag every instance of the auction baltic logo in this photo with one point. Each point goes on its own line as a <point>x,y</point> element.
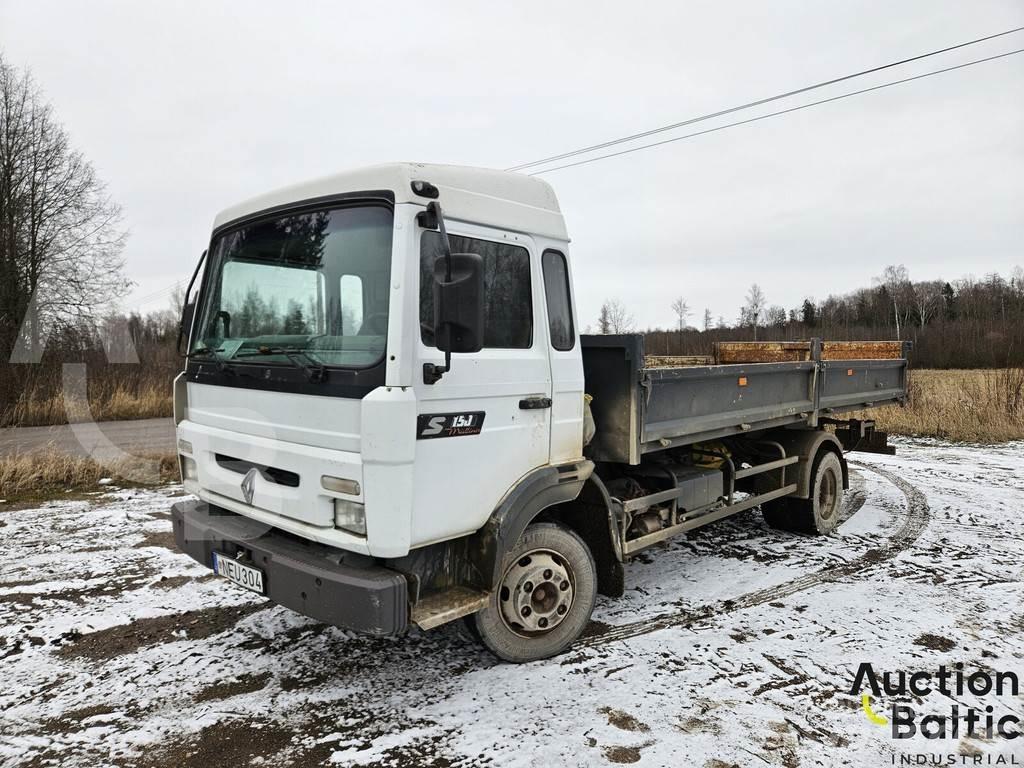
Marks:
<point>954,722</point>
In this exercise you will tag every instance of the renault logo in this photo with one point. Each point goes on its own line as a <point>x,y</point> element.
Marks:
<point>249,485</point>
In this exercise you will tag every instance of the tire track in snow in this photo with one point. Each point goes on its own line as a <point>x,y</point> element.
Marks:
<point>916,517</point>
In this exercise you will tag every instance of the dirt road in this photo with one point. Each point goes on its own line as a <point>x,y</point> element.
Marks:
<point>734,646</point>
<point>138,437</point>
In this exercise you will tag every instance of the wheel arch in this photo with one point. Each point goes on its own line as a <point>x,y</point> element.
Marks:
<point>569,494</point>
<point>591,515</point>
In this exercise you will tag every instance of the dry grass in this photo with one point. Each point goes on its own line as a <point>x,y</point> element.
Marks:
<point>984,406</point>
<point>48,474</point>
<point>118,404</point>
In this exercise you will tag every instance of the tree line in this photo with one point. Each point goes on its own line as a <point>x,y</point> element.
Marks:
<point>969,322</point>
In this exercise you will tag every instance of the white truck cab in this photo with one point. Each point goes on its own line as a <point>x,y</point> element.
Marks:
<point>382,413</point>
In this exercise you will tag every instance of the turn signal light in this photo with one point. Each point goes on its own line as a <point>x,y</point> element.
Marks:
<point>339,485</point>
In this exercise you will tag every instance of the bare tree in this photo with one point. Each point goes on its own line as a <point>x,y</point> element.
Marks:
<point>681,310</point>
<point>927,299</point>
<point>897,284</point>
<point>1017,280</point>
<point>775,316</point>
<point>615,318</point>
<point>708,322</point>
<point>178,299</point>
<point>60,235</point>
<point>754,308</point>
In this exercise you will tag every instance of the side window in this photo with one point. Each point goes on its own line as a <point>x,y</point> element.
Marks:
<point>508,306</point>
<point>556,289</point>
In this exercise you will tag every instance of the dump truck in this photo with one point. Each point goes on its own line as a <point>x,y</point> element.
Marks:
<point>388,416</point>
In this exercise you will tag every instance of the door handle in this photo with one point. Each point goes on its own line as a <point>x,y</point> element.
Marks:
<point>534,403</point>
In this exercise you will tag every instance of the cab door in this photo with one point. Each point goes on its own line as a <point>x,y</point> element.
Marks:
<point>566,360</point>
<point>487,422</point>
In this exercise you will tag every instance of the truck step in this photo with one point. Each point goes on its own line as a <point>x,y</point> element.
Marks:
<point>442,607</point>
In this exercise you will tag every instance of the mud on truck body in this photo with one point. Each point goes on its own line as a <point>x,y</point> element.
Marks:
<point>388,416</point>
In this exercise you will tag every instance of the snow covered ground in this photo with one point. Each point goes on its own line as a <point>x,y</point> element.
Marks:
<point>736,645</point>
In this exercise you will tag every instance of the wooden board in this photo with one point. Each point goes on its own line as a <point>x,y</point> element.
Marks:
<point>676,361</point>
<point>861,350</point>
<point>727,352</point>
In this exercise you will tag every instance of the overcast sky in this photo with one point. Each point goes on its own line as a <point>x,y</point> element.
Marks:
<point>186,108</point>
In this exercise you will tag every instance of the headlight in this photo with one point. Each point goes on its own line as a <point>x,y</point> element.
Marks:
<point>350,516</point>
<point>189,471</point>
<point>184,446</point>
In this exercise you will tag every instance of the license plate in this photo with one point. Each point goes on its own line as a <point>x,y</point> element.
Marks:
<point>243,575</point>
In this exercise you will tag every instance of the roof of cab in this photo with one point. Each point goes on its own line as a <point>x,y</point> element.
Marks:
<point>502,199</point>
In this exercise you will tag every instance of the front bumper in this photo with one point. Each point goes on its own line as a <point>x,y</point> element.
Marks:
<point>337,587</point>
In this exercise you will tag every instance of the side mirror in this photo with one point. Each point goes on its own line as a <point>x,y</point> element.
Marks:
<point>185,325</point>
<point>225,319</point>
<point>188,311</point>
<point>458,303</point>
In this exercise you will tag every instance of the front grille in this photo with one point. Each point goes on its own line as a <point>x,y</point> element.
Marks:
<point>270,474</point>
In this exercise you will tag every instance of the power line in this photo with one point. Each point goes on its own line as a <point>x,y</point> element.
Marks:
<point>759,102</point>
<point>775,114</point>
<point>150,297</point>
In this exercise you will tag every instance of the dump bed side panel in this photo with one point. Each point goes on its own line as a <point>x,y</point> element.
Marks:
<point>853,384</point>
<point>706,402</point>
<point>638,410</point>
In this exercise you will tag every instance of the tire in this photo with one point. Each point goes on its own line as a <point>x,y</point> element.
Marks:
<point>544,599</point>
<point>817,515</point>
<point>777,513</point>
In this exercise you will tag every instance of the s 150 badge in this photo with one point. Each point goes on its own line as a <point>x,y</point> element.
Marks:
<point>431,425</point>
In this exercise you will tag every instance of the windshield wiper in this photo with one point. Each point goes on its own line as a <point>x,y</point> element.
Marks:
<point>222,364</point>
<point>315,370</point>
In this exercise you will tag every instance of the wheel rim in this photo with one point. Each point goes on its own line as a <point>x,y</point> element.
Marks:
<point>828,494</point>
<point>536,593</point>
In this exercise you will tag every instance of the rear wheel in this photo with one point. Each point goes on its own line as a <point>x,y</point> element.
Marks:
<point>545,596</point>
<point>819,513</point>
<point>776,513</point>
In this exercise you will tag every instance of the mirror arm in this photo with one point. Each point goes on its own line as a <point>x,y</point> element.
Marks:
<point>184,304</point>
<point>432,372</point>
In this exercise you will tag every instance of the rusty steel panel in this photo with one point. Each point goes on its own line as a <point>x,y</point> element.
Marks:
<point>861,350</point>
<point>762,351</point>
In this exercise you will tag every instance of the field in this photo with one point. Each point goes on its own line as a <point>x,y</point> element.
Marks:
<point>981,406</point>
<point>736,645</point>
<point>148,397</point>
<point>53,473</point>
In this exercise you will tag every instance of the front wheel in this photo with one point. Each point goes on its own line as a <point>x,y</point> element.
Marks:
<point>545,596</point>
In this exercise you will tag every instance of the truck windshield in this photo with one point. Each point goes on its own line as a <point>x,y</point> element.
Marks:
<point>314,281</point>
